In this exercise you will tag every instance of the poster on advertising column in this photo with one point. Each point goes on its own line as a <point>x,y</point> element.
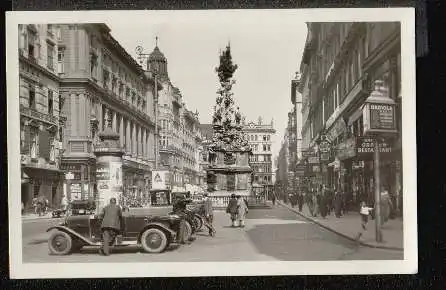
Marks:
<point>103,178</point>
<point>116,176</point>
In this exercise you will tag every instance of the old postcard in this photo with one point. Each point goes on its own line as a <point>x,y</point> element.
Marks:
<point>211,143</point>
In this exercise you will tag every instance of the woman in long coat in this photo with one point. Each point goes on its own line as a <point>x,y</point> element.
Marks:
<point>242,210</point>
<point>386,205</point>
<point>232,209</point>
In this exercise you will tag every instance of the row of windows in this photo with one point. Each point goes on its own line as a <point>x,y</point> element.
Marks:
<point>261,168</point>
<point>255,147</point>
<point>260,158</point>
<point>266,178</point>
<point>260,137</point>
<point>50,100</point>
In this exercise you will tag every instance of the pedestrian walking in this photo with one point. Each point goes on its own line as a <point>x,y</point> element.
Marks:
<point>315,204</point>
<point>34,204</point>
<point>242,210</point>
<point>232,210</point>
<point>323,204</point>
<point>111,217</point>
<point>338,204</point>
<point>300,201</point>
<point>364,212</point>
<point>209,214</point>
<point>385,206</point>
<point>274,199</point>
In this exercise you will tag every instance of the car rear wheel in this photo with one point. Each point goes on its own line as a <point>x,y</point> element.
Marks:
<point>60,243</point>
<point>187,231</point>
<point>153,240</point>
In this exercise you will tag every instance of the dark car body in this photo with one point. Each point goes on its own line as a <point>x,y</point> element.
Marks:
<point>85,230</point>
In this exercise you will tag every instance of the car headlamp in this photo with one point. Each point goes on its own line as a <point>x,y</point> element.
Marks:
<point>174,216</point>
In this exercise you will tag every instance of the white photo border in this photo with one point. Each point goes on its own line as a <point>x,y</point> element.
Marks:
<point>408,265</point>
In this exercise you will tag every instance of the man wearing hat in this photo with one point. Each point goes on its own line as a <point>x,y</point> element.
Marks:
<point>209,213</point>
<point>111,217</point>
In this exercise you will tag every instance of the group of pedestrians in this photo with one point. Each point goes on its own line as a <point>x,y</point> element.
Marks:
<point>238,209</point>
<point>40,205</point>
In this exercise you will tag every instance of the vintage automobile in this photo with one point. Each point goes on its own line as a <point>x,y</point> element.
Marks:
<point>153,233</point>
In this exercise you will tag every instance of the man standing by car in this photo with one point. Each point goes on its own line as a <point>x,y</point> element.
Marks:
<point>209,213</point>
<point>111,217</point>
<point>179,207</point>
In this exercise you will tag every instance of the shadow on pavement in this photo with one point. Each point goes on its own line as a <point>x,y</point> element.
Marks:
<point>298,242</point>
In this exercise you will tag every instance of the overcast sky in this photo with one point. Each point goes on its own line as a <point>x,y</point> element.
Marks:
<point>267,50</point>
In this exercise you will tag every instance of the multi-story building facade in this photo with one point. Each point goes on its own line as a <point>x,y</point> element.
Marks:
<point>40,114</point>
<point>179,135</point>
<point>260,140</point>
<point>101,83</point>
<point>282,182</point>
<point>340,65</point>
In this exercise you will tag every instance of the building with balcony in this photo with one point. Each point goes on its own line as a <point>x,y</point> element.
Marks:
<point>260,140</point>
<point>340,64</point>
<point>100,83</point>
<point>179,133</point>
<point>40,114</point>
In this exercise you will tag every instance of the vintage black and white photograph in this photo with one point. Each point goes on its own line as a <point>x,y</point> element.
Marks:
<point>185,143</point>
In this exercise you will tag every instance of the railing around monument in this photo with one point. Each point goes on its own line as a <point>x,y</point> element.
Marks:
<point>223,201</point>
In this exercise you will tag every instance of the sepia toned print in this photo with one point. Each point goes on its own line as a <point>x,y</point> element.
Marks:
<point>120,164</point>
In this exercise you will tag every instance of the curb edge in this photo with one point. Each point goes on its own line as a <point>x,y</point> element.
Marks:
<point>339,233</point>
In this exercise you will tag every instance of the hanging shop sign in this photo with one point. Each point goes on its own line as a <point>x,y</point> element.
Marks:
<point>379,111</point>
<point>366,146</point>
<point>379,118</point>
<point>160,179</point>
<point>324,145</point>
<point>346,149</point>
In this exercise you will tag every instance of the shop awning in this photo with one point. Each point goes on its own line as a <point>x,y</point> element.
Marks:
<point>25,177</point>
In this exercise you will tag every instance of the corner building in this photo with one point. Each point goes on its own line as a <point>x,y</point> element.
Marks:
<point>259,139</point>
<point>41,118</point>
<point>101,83</point>
<point>179,130</point>
<point>340,65</point>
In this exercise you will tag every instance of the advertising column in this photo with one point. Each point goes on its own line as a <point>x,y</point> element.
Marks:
<point>108,169</point>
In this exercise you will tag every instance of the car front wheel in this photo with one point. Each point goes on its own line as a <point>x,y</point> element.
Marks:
<point>153,240</point>
<point>60,243</point>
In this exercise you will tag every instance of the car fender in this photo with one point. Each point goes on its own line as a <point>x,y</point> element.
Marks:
<point>72,233</point>
<point>159,226</point>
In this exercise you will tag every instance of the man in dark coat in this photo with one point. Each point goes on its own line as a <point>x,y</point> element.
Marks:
<point>232,209</point>
<point>209,214</point>
<point>338,204</point>
<point>111,217</point>
<point>179,207</point>
<point>300,201</point>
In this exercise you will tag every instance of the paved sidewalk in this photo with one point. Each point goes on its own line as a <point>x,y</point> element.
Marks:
<point>33,216</point>
<point>350,224</point>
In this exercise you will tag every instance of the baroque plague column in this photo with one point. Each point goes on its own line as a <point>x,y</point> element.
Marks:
<point>229,171</point>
